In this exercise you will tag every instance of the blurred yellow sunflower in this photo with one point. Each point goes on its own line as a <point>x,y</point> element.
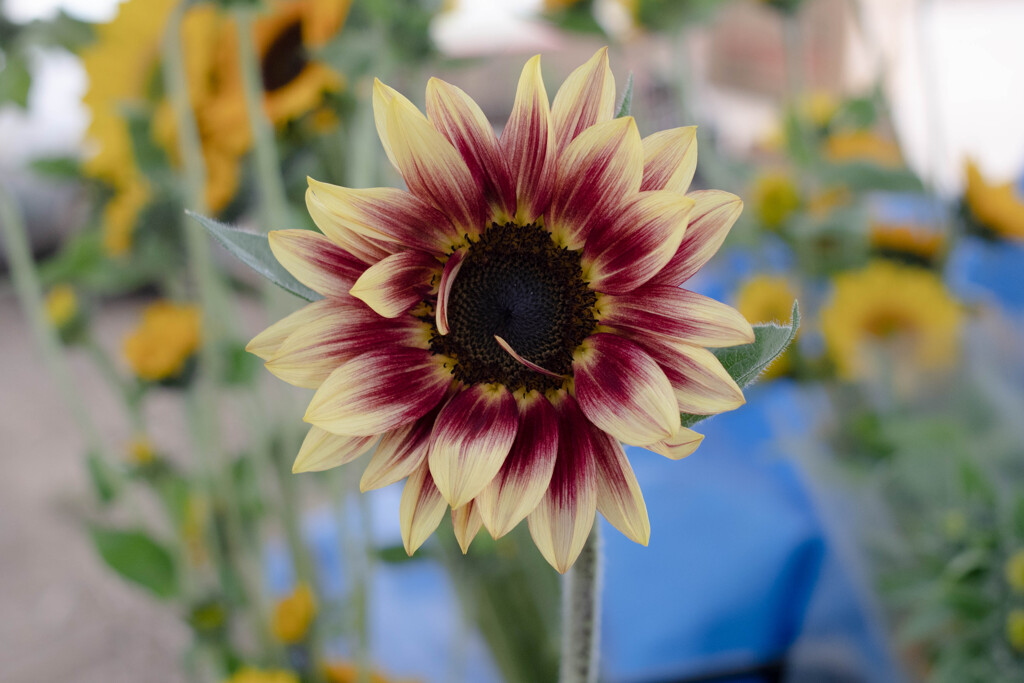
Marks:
<point>166,337</point>
<point>1015,629</point>
<point>251,675</point>
<point>887,306</point>
<point>862,145</point>
<point>999,208</point>
<point>61,305</point>
<point>346,672</point>
<point>293,614</point>
<point>776,198</point>
<point>907,241</point>
<point>1014,571</point>
<point>768,298</point>
<point>502,325</point>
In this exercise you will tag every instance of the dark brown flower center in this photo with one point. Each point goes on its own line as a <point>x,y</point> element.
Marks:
<point>285,58</point>
<point>515,282</point>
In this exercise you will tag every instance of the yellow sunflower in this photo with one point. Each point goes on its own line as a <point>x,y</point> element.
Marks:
<point>863,145</point>
<point>502,325</point>
<point>768,298</point>
<point>251,675</point>
<point>909,241</point>
<point>166,337</point>
<point>776,198</point>
<point>999,208</point>
<point>294,614</point>
<point>887,306</point>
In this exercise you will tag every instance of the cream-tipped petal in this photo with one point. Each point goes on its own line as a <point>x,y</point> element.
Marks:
<point>701,385</point>
<point>421,510</point>
<point>586,98</point>
<point>637,243</point>
<point>267,343</point>
<point>444,290</point>
<point>618,494</point>
<point>623,391</point>
<point>382,97</point>
<point>315,261</point>
<point>473,435</point>
<point>507,348</point>
<point>670,159</point>
<point>713,215</point>
<point>399,452</point>
<point>528,143</point>
<point>378,391</point>
<point>524,477</point>
<point>596,174</point>
<point>467,522</point>
<point>671,314</point>
<point>392,286</point>
<point>322,450</point>
<point>364,249</point>
<point>679,445</point>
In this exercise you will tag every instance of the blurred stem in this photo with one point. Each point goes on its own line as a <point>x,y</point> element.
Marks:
<point>128,390</point>
<point>356,551</point>
<point>581,614</point>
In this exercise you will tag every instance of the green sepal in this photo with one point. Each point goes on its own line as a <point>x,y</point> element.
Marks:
<point>137,558</point>
<point>627,99</point>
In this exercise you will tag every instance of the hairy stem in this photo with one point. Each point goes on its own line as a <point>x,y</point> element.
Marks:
<point>581,614</point>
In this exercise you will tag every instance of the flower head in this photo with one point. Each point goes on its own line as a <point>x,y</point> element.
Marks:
<point>911,242</point>
<point>293,614</point>
<point>504,324</point>
<point>999,208</point>
<point>776,198</point>
<point>166,337</point>
<point>863,146</point>
<point>1015,629</point>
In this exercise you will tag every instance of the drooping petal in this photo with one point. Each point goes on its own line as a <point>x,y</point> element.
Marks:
<point>701,385</point>
<point>528,143</point>
<point>322,450</point>
<point>466,521</point>
<point>507,348</point>
<point>444,290</point>
<point>670,159</point>
<point>365,250</point>
<point>562,520</point>
<point>421,510</point>
<point>673,314</point>
<point>267,343</point>
<point>387,214</point>
<point>472,437</point>
<point>618,494</point>
<point>679,445</point>
<point>636,243</point>
<point>460,119</point>
<point>399,452</point>
<point>524,476</point>
<point>587,97</point>
<point>393,286</point>
<point>315,261</point>
<point>378,391</point>
<point>597,172</point>
<point>433,169</point>
<point>713,215</point>
<point>623,391</point>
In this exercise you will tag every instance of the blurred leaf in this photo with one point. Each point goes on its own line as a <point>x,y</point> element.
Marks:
<point>149,156</point>
<point>102,477</point>
<point>395,554</point>
<point>862,176</point>
<point>966,563</point>
<point>627,98</point>
<point>578,18</point>
<point>1018,518</point>
<point>974,482</point>
<point>15,80</point>
<point>61,31</point>
<point>64,168</point>
<point>858,113</point>
<point>137,558</point>
<point>253,250</point>
<point>241,367</point>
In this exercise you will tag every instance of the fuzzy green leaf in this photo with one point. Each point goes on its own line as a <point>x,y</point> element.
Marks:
<point>253,250</point>
<point>627,99</point>
<point>137,558</point>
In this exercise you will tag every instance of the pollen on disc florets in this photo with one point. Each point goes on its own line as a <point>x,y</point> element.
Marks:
<point>515,282</point>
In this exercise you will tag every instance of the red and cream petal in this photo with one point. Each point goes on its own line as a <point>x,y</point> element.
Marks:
<point>637,243</point>
<point>399,452</point>
<point>466,521</point>
<point>392,286</point>
<point>714,214</point>
<point>681,444</point>
<point>524,476</point>
<point>267,343</point>
<point>322,450</point>
<point>433,169</point>
<point>387,214</point>
<point>623,391</point>
<point>596,173</point>
<point>528,143</point>
<point>667,313</point>
<point>473,435</point>
<point>365,250</point>
<point>561,522</point>
<point>378,391</point>
<point>421,510</point>
<point>670,159</point>
<point>702,386</point>
<point>444,289</point>
<point>586,98</point>
<point>382,97</point>
<point>462,122</point>
<point>618,494</point>
<point>316,261</point>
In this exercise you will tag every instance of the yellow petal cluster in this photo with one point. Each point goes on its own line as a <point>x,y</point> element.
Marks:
<point>61,305</point>
<point>141,451</point>
<point>921,242</point>
<point>164,340</point>
<point>1014,571</point>
<point>1015,629</point>
<point>776,197</point>
<point>346,672</point>
<point>250,675</point>
<point>1000,208</point>
<point>862,145</point>
<point>293,615</point>
<point>768,298</point>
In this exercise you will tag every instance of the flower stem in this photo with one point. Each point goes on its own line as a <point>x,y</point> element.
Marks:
<point>581,614</point>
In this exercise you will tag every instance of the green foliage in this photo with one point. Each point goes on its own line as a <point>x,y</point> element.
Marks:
<point>15,79</point>
<point>627,98</point>
<point>61,168</point>
<point>103,477</point>
<point>137,558</point>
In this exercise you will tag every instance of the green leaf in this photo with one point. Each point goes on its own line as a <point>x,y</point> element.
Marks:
<point>745,362</point>
<point>627,98</point>
<point>15,80</point>
<point>62,168</point>
<point>253,250</point>
<point>103,478</point>
<point>137,558</point>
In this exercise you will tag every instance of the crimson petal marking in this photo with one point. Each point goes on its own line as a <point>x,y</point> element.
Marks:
<point>392,286</point>
<point>315,261</point>
<point>421,509</point>
<point>596,173</point>
<point>637,243</point>
<point>618,494</point>
<point>322,450</point>
<point>466,521</point>
<point>267,343</point>
<point>460,119</point>
<point>713,216</point>
<point>378,391</point>
<point>681,444</point>
<point>587,97</point>
<point>561,522</point>
<point>363,249</point>
<point>623,390</point>
<point>433,169</point>
<point>672,314</point>
<point>528,143</point>
<point>524,476</point>
<point>444,290</point>
<point>519,359</point>
<point>399,452</point>
<point>472,437</point>
<point>670,159</point>
<point>386,214</point>
<point>701,385</point>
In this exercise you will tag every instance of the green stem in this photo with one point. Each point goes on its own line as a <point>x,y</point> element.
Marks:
<point>344,486</point>
<point>127,389</point>
<point>581,614</point>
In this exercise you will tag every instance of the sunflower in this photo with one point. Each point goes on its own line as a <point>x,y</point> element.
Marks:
<point>776,198</point>
<point>504,324</point>
<point>166,337</point>
<point>911,242</point>
<point>899,308</point>
<point>998,208</point>
<point>863,146</point>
